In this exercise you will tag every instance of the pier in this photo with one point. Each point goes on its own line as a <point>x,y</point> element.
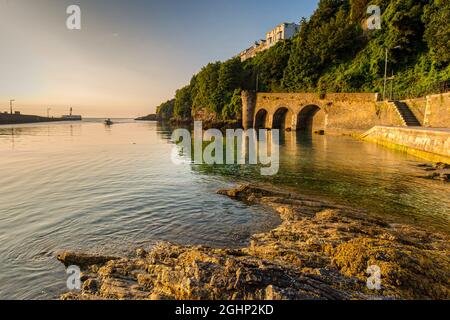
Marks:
<point>6,118</point>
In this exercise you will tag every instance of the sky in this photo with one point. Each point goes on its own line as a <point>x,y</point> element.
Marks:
<point>129,56</point>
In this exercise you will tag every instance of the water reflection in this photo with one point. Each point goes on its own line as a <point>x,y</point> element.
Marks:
<point>378,180</point>
<point>79,185</point>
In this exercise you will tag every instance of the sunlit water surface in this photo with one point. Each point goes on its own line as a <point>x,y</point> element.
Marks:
<point>110,189</point>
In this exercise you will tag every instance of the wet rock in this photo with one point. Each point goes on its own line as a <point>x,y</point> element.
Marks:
<point>440,171</point>
<point>84,276</point>
<point>90,286</point>
<point>445,176</point>
<point>412,271</point>
<point>441,166</point>
<point>440,176</point>
<point>82,259</point>
<point>320,251</point>
<point>141,253</point>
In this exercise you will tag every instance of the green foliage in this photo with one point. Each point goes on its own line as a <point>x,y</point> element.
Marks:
<point>327,39</point>
<point>207,88</point>
<point>230,77</point>
<point>233,110</point>
<point>183,103</point>
<point>437,32</point>
<point>333,52</point>
<point>165,110</point>
<point>267,68</point>
<point>214,88</point>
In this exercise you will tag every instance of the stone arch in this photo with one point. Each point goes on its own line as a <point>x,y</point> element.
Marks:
<point>261,119</point>
<point>305,117</point>
<point>282,119</point>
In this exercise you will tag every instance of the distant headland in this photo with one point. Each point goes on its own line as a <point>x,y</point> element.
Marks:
<point>150,117</point>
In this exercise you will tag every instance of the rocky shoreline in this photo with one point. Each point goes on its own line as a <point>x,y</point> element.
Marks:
<point>320,251</point>
<point>436,171</point>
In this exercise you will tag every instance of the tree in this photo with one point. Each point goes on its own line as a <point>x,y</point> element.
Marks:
<point>183,103</point>
<point>437,33</point>
<point>165,110</point>
<point>334,52</point>
<point>206,87</point>
<point>328,38</point>
<point>233,110</point>
<point>230,77</point>
<point>269,66</point>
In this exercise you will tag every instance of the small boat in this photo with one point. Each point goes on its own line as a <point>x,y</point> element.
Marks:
<point>108,122</point>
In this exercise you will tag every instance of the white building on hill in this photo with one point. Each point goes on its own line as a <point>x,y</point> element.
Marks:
<point>283,31</point>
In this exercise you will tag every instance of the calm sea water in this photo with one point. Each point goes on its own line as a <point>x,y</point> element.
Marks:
<point>109,189</point>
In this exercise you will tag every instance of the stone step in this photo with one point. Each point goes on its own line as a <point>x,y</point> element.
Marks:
<point>408,117</point>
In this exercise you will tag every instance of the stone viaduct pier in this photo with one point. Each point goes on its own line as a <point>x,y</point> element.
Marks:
<point>305,111</point>
<point>397,124</point>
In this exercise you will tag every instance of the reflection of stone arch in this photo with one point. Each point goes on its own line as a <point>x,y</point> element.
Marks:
<point>261,119</point>
<point>306,116</point>
<point>282,119</point>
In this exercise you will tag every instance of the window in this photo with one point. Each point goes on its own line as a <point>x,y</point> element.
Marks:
<point>280,35</point>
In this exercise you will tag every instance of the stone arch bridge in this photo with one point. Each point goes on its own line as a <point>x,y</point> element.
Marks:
<point>305,111</point>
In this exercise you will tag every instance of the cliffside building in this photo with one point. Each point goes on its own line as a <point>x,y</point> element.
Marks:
<point>281,32</point>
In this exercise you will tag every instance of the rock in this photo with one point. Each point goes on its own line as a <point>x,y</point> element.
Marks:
<point>441,166</point>
<point>441,171</point>
<point>90,286</point>
<point>82,259</point>
<point>445,176</point>
<point>413,271</point>
<point>320,251</point>
<point>141,253</point>
<point>84,276</point>
<point>441,176</point>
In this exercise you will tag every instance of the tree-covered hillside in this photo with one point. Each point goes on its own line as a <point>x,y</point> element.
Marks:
<point>332,52</point>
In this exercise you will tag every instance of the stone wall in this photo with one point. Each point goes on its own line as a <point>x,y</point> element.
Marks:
<point>360,116</point>
<point>437,112</point>
<point>427,143</point>
<point>432,111</point>
<point>339,112</point>
<point>418,107</point>
<point>6,118</point>
<point>248,108</point>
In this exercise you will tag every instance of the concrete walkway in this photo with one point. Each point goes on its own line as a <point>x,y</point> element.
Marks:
<point>432,144</point>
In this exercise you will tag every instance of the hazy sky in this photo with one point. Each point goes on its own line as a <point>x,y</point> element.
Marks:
<point>129,56</point>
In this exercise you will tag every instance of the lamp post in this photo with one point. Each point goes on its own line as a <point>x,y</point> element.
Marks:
<point>48,112</point>
<point>385,70</point>
<point>10,105</point>
<point>391,79</point>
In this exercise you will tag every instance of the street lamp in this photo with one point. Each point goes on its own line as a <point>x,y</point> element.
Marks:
<point>391,79</point>
<point>10,105</point>
<point>48,112</point>
<point>385,70</point>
